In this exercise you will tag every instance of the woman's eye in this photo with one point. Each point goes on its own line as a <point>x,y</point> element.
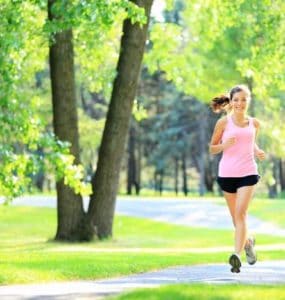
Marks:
<point>242,99</point>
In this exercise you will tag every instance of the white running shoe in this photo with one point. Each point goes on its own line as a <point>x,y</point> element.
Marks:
<point>251,256</point>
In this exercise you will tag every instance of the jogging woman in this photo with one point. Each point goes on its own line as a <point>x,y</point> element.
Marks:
<point>234,135</point>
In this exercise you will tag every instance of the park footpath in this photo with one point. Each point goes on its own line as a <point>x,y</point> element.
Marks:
<point>197,213</point>
<point>272,272</point>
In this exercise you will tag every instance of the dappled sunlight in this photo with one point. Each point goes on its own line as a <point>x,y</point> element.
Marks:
<point>30,245</point>
<point>23,273</point>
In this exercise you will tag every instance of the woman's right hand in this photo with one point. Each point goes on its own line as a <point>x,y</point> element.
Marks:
<point>229,142</point>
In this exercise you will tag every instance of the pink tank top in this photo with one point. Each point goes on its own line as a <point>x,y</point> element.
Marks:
<point>238,160</point>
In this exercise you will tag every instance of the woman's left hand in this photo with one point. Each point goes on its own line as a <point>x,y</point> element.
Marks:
<point>260,154</point>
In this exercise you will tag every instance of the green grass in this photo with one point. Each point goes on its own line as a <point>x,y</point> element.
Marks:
<point>206,291</point>
<point>42,267</point>
<point>269,210</point>
<point>29,254</point>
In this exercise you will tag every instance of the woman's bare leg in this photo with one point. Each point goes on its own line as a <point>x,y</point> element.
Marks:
<point>231,202</point>
<point>243,197</point>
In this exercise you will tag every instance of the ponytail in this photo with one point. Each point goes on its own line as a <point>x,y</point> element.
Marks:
<point>220,103</point>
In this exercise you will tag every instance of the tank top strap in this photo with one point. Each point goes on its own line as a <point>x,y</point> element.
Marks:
<point>250,121</point>
<point>230,122</point>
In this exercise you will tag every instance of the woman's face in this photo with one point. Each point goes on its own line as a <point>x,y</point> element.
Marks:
<point>240,102</point>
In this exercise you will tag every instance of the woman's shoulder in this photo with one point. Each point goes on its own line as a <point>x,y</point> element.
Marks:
<point>222,122</point>
<point>256,122</point>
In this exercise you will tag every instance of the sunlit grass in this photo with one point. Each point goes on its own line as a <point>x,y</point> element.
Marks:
<point>205,291</point>
<point>29,254</point>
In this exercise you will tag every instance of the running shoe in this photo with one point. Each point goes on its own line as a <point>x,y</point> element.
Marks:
<point>235,262</point>
<point>251,256</point>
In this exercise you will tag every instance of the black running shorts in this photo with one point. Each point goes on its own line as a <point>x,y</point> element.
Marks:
<point>231,184</point>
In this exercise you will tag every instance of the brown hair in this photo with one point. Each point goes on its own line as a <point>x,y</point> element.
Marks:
<point>221,103</point>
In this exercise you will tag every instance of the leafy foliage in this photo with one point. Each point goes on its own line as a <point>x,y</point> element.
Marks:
<point>203,48</point>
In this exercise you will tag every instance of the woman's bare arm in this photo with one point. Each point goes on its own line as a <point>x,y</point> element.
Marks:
<point>215,145</point>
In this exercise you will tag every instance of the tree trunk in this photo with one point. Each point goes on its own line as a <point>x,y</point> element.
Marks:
<point>39,177</point>
<point>106,178</point>
<point>208,173</point>
<point>83,100</point>
<point>176,161</point>
<point>39,180</point>
<point>131,161</point>
<point>155,179</point>
<point>70,213</point>
<point>161,177</point>
<point>202,155</point>
<point>184,174</point>
<point>139,165</point>
<point>282,174</point>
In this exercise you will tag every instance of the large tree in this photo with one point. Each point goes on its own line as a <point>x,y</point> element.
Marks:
<point>70,205</point>
<point>72,222</point>
<point>106,177</point>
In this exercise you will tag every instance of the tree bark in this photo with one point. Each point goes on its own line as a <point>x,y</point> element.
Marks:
<point>176,170</point>
<point>70,213</point>
<point>184,174</point>
<point>161,177</point>
<point>209,177</point>
<point>131,161</point>
<point>202,155</point>
<point>282,174</point>
<point>139,165</point>
<point>106,178</point>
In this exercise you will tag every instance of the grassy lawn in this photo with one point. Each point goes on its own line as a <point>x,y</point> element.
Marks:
<point>206,291</point>
<point>269,210</point>
<point>28,254</point>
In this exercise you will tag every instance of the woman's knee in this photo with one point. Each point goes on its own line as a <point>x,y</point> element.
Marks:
<point>240,216</point>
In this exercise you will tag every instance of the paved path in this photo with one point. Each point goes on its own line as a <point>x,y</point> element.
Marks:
<point>261,273</point>
<point>195,213</point>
